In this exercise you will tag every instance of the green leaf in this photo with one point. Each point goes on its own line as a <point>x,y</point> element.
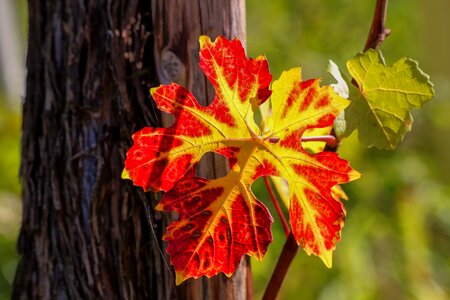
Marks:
<point>380,108</point>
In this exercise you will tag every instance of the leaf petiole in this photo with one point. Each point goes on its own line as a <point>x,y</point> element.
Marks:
<point>276,203</point>
<point>290,250</point>
<point>331,140</point>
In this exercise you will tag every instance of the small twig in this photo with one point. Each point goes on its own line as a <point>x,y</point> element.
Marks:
<point>331,140</point>
<point>274,199</point>
<point>274,139</point>
<point>378,31</point>
<point>288,254</point>
<point>332,147</point>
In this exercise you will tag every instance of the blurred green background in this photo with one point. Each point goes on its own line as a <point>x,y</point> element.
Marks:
<point>396,241</point>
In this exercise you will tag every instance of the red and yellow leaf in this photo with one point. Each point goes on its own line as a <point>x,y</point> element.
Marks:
<point>161,156</point>
<point>220,220</point>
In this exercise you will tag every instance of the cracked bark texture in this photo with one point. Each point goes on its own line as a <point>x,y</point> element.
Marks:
<point>85,232</point>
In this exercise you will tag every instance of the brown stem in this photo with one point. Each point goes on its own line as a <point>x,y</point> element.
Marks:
<point>275,202</point>
<point>332,147</point>
<point>288,253</point>
<point>378,31</point>
<point>331,140</point>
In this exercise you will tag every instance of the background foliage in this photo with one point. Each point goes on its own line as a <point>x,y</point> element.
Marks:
<point>397,235</point>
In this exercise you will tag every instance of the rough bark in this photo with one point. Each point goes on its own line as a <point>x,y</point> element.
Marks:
<point>85,232</point>
<point>177,27</point>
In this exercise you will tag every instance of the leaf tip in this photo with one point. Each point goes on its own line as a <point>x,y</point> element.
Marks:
<point>153,90</point>
<point>326,255</point>
<point>353,175</point>
<point>180,278</point>
<point>327,259</point>
<point>204,41</point>
<point>340,101</point>
<point>420,76</point>
<point>125,174</point>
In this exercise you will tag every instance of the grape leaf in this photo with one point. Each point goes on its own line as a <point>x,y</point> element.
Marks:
<point>220,220</point>
<point>380,108</point>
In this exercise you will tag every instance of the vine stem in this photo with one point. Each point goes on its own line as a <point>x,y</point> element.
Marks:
<point>330,139</point>
<point>288,254</point>
<point>276,203</point>
<point>375,38</point>
<point>378,31</point>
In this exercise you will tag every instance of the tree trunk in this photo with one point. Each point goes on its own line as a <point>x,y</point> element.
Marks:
<point>85,232</point>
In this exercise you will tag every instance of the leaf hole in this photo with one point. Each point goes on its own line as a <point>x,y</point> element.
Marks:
<point>212,166</point>
<point>167,119</point>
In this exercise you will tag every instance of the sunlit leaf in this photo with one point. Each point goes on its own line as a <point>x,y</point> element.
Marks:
<point>380,108</point>
<point>220,220</point>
